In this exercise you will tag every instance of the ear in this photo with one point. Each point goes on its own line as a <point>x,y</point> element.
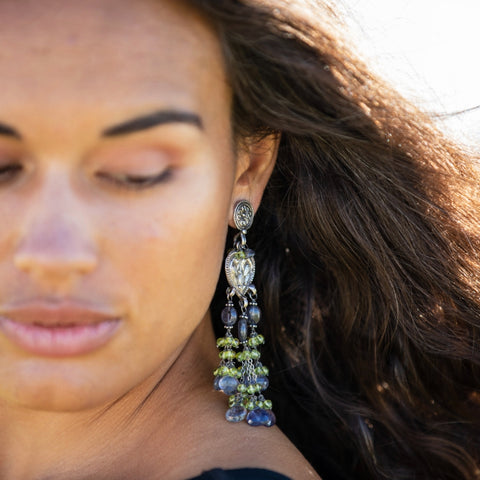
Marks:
<point>255,162</point>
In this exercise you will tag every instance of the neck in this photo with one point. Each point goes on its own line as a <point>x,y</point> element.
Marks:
<point>121,439</point>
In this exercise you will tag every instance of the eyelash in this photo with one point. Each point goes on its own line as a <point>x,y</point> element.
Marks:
<point>8,171</point>
<point>136,182</point>
<point>132,182</point>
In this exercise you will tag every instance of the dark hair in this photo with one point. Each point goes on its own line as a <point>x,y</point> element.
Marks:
<point>367,241</point>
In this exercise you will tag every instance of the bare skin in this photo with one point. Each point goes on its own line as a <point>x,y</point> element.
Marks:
<point>78,230</point>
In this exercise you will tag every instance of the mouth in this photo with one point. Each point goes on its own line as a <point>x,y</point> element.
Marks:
<point>57,330</point>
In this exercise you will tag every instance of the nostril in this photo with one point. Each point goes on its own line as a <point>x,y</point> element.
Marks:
<point>55,263</point>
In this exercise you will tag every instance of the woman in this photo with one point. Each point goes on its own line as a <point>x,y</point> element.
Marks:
<point>129,133</point>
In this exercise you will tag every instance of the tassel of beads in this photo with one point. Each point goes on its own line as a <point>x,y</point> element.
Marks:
<point>240,374</point>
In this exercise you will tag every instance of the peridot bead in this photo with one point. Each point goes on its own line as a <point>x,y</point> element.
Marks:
<point>250,405</point>
<point>267,404</point>
<point>251,389</point>
<point>255,354</point>
<point>242,388</point>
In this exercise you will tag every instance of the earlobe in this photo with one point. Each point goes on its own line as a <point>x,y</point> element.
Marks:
<point>255,162</point>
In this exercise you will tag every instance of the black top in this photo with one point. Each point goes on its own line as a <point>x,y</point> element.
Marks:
<point>241,474</point>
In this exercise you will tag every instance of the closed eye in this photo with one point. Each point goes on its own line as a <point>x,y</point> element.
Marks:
<point>9,171</point>
<point>136,182</point>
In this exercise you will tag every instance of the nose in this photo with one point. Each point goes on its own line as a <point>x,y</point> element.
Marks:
<point>56,245</point>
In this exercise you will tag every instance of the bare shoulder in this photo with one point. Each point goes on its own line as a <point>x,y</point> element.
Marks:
<point>241,446</point>
<point>269,448</point>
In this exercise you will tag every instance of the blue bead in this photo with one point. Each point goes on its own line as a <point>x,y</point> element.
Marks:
<point>263,381</point>
<point>242,329</point>
<point>228,385</point>
<point>229,316</point>
<point>253,314</point>
<point>259,416</point>
<point>271,419</point>
<point>216,382</point>
<point>236,414</point>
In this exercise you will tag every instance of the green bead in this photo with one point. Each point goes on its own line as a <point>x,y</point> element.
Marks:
<point>251,389</point>
<point>231,400</point>
<point>250,405</point>
<point>267,404</point>
<point>260,404</point>
<point>260,339</point>
<point>220,342</point>
<point>255,354</point>
<point>242,388</point>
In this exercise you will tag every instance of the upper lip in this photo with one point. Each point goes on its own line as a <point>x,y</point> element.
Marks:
<point>51,314</point>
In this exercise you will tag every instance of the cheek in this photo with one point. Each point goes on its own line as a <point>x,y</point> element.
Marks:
<point>169,252</point>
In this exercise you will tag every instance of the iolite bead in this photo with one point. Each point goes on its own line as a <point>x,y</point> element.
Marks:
<point>257,417</point>
<point>228,385</point>
<point>216,385</point>
<point>262,380</point>
<point>242,329</point>
<point>271,419</point>
<point>254,314</point>
<point>236,413</point>
<point>229,315</point>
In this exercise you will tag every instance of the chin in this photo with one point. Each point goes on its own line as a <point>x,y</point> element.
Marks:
<point>56,390</point>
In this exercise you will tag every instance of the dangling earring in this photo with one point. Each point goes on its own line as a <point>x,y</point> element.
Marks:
<point>241,375</point>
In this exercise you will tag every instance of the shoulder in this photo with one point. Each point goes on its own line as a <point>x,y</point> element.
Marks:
<point>238,452</point>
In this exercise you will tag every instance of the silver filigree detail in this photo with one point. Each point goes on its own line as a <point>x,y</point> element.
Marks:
<point>240,269</point>
<point>243,215</point>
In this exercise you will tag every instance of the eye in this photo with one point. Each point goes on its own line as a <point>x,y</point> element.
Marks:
<point>133,181</point>
<point>9,171</point>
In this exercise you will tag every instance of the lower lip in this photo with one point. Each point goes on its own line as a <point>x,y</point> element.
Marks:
<point>58,341</point>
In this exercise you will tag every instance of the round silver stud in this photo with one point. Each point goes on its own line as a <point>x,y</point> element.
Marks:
<point>243,215</point>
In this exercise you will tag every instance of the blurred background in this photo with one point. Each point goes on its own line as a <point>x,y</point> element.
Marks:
<point>430,50</point>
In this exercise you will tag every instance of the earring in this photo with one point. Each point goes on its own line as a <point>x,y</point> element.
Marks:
<point>240,374</point>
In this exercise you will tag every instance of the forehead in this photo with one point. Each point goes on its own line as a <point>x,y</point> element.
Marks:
<point>59,52</point>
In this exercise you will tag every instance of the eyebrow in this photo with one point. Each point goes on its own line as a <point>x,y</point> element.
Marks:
<point>9,131</point>
<point>133,125</point>
<point>151,120</point>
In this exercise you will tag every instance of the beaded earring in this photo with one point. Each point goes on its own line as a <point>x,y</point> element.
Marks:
<point>240,374</point>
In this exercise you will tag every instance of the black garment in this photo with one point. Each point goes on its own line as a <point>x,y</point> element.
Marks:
<point>241,474</point>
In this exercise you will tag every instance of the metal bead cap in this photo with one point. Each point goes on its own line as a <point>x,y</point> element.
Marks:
<point>243,215</point>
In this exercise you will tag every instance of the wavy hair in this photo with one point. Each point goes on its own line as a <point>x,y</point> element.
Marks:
<point>368,246</point>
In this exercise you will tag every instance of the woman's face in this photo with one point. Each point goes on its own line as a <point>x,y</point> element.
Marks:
<point>117,179</point>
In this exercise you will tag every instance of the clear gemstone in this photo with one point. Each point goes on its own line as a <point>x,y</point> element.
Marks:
<point>236,414</point>
<point>229,316</point>
<point>253,314</point>
<point>228,385</point>
<point>242,329</point>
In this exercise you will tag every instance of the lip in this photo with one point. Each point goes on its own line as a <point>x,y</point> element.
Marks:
<point>58,330</point>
